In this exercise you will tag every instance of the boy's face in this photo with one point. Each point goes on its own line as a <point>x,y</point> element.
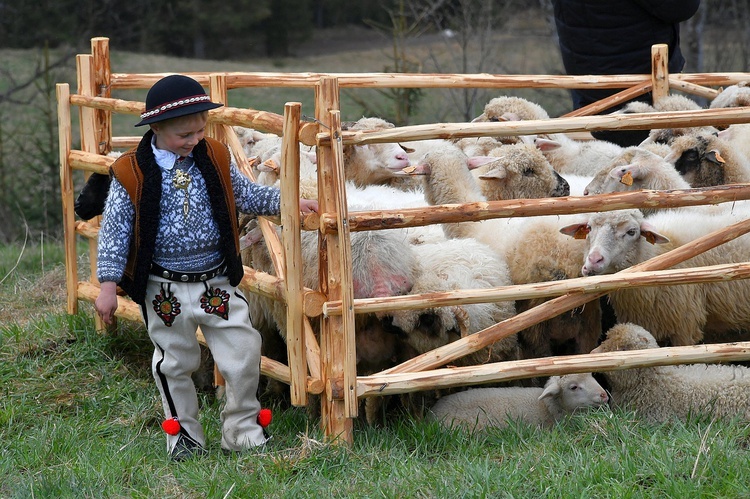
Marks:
<point>180,135</point>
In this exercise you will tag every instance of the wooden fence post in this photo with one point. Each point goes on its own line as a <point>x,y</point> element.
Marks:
<point>217,89</point>
<point>659,71</point>
<point>290,237</point>
<point>102,88</point>
<point>66,193</point>
<point>87,117</point>
<point>337,427</point>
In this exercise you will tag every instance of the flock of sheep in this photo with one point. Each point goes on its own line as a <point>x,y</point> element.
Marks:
<point>499,252</point>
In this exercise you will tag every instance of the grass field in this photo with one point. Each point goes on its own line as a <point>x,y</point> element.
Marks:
<point>80,417</point>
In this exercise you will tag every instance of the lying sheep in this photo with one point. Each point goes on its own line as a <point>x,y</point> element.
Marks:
<point>665,393</point>
<point>520,172</point>
<point>580,157</point>
<point>675,315</point>
<point>705,160</point>
<point>733,96</point>
<point>480,408</point>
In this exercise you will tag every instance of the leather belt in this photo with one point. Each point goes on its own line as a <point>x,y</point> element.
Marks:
<point>160,271</point>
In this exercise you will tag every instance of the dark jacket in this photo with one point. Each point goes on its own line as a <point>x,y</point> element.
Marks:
<point>139,174</point>
<point>615,36</point>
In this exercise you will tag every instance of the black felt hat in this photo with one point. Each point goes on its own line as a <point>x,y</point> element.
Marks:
<point>173,96</point>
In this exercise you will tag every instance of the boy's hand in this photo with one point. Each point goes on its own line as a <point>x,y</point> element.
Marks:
<point>307,206</point>
<point>106,302</point>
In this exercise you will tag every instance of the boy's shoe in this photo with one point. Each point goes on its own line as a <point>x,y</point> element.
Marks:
<point>250,450</point>
<point>186,448</point>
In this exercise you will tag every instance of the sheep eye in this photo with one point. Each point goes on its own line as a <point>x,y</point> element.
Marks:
<point>494,119</point>
<point>528,172</point>
<point>573,388</point>
<point>631,232</point>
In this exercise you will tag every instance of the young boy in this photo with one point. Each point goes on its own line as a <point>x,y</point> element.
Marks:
<point>169,238</point>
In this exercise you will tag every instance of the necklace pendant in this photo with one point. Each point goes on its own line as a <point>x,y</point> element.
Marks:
<point>181,181</point>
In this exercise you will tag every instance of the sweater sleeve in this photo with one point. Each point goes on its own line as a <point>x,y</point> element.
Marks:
<point>254,198</point>
<point>671,11</point>
<point>115,234</point>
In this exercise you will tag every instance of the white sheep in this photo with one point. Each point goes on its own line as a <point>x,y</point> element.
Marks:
<point>268,170</point>
<point>451,265</point>
<point>481,408</point>
<point>679,314</point>
<point>670,103</point>
<point>737,95</point>
<point>511,108</point>
<point>374,163</point>
<point>580,157</point>
<point>738,137</point>
<point>520,172</point>
<point>665,393</point>
<point>636,168</point>
<point>704,160</point>
<point>503,108</point>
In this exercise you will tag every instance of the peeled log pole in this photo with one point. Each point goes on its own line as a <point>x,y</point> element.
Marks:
<point>452,213</point>
<point>391,384</point>
<point>611,101</point>
<point>713,273</point>
<point>639,121</point>
<point>259,120</point>
<point>427,80</point>
<point>474,342</point>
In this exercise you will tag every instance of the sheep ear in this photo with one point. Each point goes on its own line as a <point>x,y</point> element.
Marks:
<point>714,157</point>
<point>545,145</point>
<point>550,391</point>
<point>407,150</point>
<point>618,171</point>
<point>495,173</point>
<point>509,116</point>
<point>482,117</point>
<point>576,231</point>
<point>477,161</point>
<point>649,233</point>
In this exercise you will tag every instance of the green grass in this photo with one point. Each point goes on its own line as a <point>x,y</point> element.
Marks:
<point>80,416</point>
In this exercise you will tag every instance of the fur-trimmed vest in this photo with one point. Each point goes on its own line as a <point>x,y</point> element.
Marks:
<point>140,175</point>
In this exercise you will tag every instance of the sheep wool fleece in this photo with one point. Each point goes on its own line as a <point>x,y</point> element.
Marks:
<point>175,310</point>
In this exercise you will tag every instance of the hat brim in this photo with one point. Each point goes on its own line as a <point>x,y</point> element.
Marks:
<point>180,111</point>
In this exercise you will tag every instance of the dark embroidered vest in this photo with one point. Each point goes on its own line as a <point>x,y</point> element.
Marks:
<point>140,175</point>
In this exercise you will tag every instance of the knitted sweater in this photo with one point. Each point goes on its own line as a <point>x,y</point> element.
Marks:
<point>185,242</point>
